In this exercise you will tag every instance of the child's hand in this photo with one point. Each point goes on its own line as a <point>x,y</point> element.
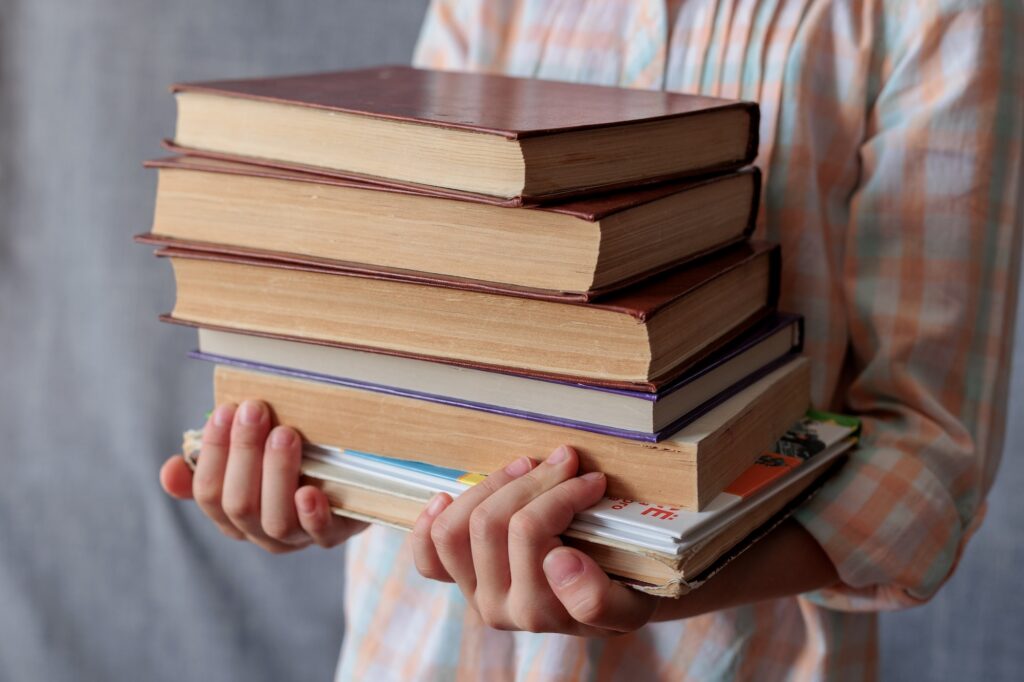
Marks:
<point>246,481</point>
<point>499,542</point>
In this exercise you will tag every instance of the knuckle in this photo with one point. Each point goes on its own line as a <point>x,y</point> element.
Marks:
<point>488,606</point>
<point>205,493</point>
<point>445,533</point>
<point>484,525</point>
<point>495,620</point>
<point>279,528</point>
<point>525,526</point>
<point>241,509</point>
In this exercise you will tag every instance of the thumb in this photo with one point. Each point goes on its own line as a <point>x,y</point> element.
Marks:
<point>591,597</point>
<point>315,517</point>
<point>176,478</point>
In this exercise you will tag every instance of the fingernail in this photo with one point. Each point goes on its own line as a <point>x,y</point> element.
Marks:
<point>251,412</point>
<point>593,476</point>
<point>562,566</point>
<point>437,504</point>
<point>518,467</point>
<point>222,415</point>
<point>307,505</point>
<point>559,455</point>
<point>281,437</point>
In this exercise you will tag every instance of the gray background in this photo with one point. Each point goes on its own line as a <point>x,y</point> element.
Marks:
<point>101,576</point>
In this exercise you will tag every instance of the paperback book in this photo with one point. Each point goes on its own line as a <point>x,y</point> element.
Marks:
<point>659,548</point>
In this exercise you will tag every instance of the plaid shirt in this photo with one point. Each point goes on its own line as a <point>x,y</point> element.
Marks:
<point>891,141</point>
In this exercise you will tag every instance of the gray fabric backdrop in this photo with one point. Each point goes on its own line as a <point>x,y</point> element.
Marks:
<point>101,576</point>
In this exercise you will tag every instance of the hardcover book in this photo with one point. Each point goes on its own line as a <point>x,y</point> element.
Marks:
<point>640,337</point>
<point>507,138</point>
<point>687,469</point>
<point>582,248</point>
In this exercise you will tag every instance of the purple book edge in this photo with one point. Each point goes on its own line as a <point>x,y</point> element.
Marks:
<point>754,336</point>
<point>726,355</point>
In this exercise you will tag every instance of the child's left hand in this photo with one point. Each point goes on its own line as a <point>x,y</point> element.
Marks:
<point>499,542</point>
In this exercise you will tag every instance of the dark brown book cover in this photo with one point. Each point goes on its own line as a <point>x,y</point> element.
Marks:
<point>513,108</point>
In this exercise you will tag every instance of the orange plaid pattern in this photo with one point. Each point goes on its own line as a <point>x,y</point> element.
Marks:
<point>891,145</point>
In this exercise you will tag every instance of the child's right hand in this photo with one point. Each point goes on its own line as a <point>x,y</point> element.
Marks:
<point>247,479</point>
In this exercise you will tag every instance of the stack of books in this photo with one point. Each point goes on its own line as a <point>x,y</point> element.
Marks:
<point>453,270</point>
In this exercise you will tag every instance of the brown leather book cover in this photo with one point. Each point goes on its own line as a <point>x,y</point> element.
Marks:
<point>512,108</point>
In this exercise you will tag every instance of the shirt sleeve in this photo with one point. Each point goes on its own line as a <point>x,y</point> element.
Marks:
<point>930,280</point>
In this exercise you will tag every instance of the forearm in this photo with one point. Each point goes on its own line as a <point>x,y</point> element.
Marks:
<point>787,562</point>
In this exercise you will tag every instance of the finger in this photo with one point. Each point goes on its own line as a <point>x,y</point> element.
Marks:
<point>533,532</point>
<point>208,480</point>
<point>489,524</point>
<point>176,478</point>
<point>423,552</point>
<point>244,471</point>
<point>282,459</point>
<point>450,530</point>
<point>591,597</point>
<point>315,516</point>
